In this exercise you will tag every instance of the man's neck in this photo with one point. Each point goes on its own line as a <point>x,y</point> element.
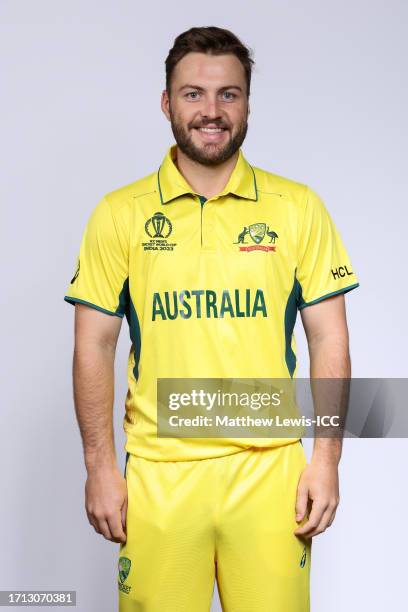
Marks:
<point>205,180</point>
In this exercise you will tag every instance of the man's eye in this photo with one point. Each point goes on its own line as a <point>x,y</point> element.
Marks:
<point>229,95</point>
<point>192,94</point>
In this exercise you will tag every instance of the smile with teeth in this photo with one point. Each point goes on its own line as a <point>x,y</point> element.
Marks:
<point>210,130</point>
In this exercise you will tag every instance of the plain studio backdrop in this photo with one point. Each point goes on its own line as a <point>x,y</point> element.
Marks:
<point>81,84</point>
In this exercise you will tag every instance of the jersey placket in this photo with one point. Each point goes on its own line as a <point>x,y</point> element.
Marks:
<point>208,229</point>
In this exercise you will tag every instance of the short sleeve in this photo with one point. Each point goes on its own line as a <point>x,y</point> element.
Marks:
<point>323,267</point>
<point>101,277</point>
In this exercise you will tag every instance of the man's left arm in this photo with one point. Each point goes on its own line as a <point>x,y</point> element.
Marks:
<point>326,330</point>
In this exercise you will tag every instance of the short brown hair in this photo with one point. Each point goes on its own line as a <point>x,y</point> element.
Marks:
<point>211,40</point>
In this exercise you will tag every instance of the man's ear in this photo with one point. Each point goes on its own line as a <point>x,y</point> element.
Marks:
<point>165,103</point>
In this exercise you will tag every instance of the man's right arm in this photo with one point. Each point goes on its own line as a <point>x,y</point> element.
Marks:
<point>96,335</point>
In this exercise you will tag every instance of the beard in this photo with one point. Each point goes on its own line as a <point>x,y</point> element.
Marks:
<point>210,154</point>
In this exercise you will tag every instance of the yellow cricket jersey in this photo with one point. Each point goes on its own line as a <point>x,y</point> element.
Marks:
<point>210,288</point>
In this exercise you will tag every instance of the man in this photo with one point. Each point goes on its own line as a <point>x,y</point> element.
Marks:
<point>209,258</point>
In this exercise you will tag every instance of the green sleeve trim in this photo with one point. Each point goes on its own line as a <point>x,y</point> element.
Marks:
<point>73,300</point>
<point>323,297</point>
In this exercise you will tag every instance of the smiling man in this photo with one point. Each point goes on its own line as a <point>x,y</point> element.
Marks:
<point>209,258</point>
<point>208,139</point>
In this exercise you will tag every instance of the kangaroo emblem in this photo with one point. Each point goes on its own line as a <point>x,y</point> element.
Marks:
<point>241,236</point>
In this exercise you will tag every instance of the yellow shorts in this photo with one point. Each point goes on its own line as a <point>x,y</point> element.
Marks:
<point>228,518</point>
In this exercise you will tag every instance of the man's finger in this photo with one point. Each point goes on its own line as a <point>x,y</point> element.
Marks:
<point>301,502</point>
<point>115,527</point>
<point>314,519</point>
<point>124,514</point>
<point>332,517</point>
<point>103,528</point>
<point>94,522</point>
<point>323,524</point>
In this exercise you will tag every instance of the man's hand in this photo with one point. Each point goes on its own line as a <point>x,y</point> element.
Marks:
<point>318,488</point>
<point>106,502</point>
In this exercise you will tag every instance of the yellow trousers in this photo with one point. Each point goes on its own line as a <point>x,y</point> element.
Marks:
<point>229,519</point>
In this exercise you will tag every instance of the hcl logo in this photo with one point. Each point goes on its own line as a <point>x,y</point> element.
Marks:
<point>340,272</point>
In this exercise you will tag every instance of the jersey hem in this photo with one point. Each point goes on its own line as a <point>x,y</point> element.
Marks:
<point>135,446</point>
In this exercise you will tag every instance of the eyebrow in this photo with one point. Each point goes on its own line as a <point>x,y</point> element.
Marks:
<point>203,89</point>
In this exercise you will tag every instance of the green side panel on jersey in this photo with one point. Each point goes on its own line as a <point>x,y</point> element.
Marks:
<point>291,309</point>
<point>129,310</point>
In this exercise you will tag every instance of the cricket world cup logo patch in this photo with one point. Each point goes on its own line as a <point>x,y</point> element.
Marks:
<point>124,569</point>
<point>257,232</point>
<point>158,228</point>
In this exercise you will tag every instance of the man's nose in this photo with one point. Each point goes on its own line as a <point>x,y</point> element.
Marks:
<point>211,108</point>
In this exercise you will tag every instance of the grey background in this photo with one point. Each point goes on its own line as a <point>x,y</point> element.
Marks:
<point>81,85</point>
